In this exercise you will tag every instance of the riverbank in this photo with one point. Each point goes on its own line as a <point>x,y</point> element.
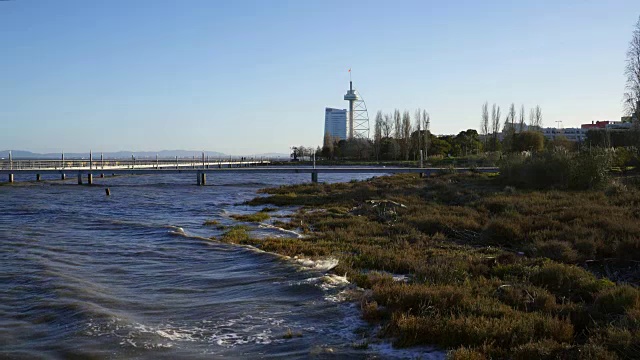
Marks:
<point>467,161</point>
<point>462,262</point>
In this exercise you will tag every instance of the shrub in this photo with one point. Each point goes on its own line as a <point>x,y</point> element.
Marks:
<point>568,281</point>
<point>617,300</point>
<point>557,168</point>
<point>590,169</point>
<point>503,231</point>
<point>561,251</point>
<point>527,298</point>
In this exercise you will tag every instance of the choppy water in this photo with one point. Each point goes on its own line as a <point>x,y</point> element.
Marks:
<point>90,276</point>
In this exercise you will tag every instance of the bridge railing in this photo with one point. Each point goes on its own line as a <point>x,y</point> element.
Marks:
<point>71,164</point>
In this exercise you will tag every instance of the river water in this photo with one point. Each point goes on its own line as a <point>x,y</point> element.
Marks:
<point>133,275</point>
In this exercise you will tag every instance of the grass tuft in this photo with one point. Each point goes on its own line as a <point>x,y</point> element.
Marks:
<point>257,217</point>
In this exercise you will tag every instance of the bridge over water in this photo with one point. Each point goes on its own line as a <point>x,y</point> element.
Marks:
<point>86,169</point>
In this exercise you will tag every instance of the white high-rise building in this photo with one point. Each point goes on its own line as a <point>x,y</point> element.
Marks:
<point>335,123</point>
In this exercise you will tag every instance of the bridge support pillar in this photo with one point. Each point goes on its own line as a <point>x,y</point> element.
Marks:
<point>314,177</point>
<point>37,177</point>
<point>204,179</point>
<point>90,179</point>
<point>79,178</point>
<point>199,178</point>
<point>10,178</point>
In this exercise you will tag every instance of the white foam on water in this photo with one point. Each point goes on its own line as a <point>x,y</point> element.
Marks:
<point>282,230</point>
<point>318,264</point>
<point>227,333</point>
<point>176,230</point>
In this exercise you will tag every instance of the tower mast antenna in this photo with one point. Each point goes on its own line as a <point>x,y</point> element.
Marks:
<point>358,118</point>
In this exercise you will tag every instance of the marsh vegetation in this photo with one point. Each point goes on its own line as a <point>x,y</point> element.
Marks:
<point>493,270</point>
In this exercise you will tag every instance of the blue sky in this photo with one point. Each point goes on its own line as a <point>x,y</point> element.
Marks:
<point>247,77</point>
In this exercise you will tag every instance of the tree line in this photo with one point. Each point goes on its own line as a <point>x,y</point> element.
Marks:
<point>518,135</point>
<point>399,136</point>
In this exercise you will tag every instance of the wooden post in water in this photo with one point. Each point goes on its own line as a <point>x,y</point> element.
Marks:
<point>11,178</point>
<point>198,178</point>
<point>63,176</point>
<point>90,178</point>
<point>314,177</point>
<point>204,179</point>
<point>79,178</point>
<point>37,177</point>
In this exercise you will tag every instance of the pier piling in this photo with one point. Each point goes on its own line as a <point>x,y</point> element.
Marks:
<point>90,179</point>
<point>204,179</point>
<point>10,178</point>
<point>37,177</point>
<point>79,178</point>
<point>314,177</point>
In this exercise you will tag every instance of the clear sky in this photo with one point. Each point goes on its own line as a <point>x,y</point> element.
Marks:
<point>247,77</point>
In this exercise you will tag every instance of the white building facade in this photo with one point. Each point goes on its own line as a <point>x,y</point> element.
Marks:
<point>335,123</point>
<point>571,134</point>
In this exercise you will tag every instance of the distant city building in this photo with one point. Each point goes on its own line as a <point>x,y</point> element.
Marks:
<point>598,124</point>
<point>571,134</point>
<point>335,123</point>
<point>609,125</point>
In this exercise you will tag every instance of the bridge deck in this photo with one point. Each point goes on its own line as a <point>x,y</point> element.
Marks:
<point>260,169</point>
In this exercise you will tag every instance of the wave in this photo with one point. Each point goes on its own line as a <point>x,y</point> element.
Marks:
<point>176,230</point>
<point>316,264</point>
<point>226,333</point>
<point>282,230</point>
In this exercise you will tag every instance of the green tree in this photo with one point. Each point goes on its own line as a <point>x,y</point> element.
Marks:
<point>530,141</point>
<point>561,142</point>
